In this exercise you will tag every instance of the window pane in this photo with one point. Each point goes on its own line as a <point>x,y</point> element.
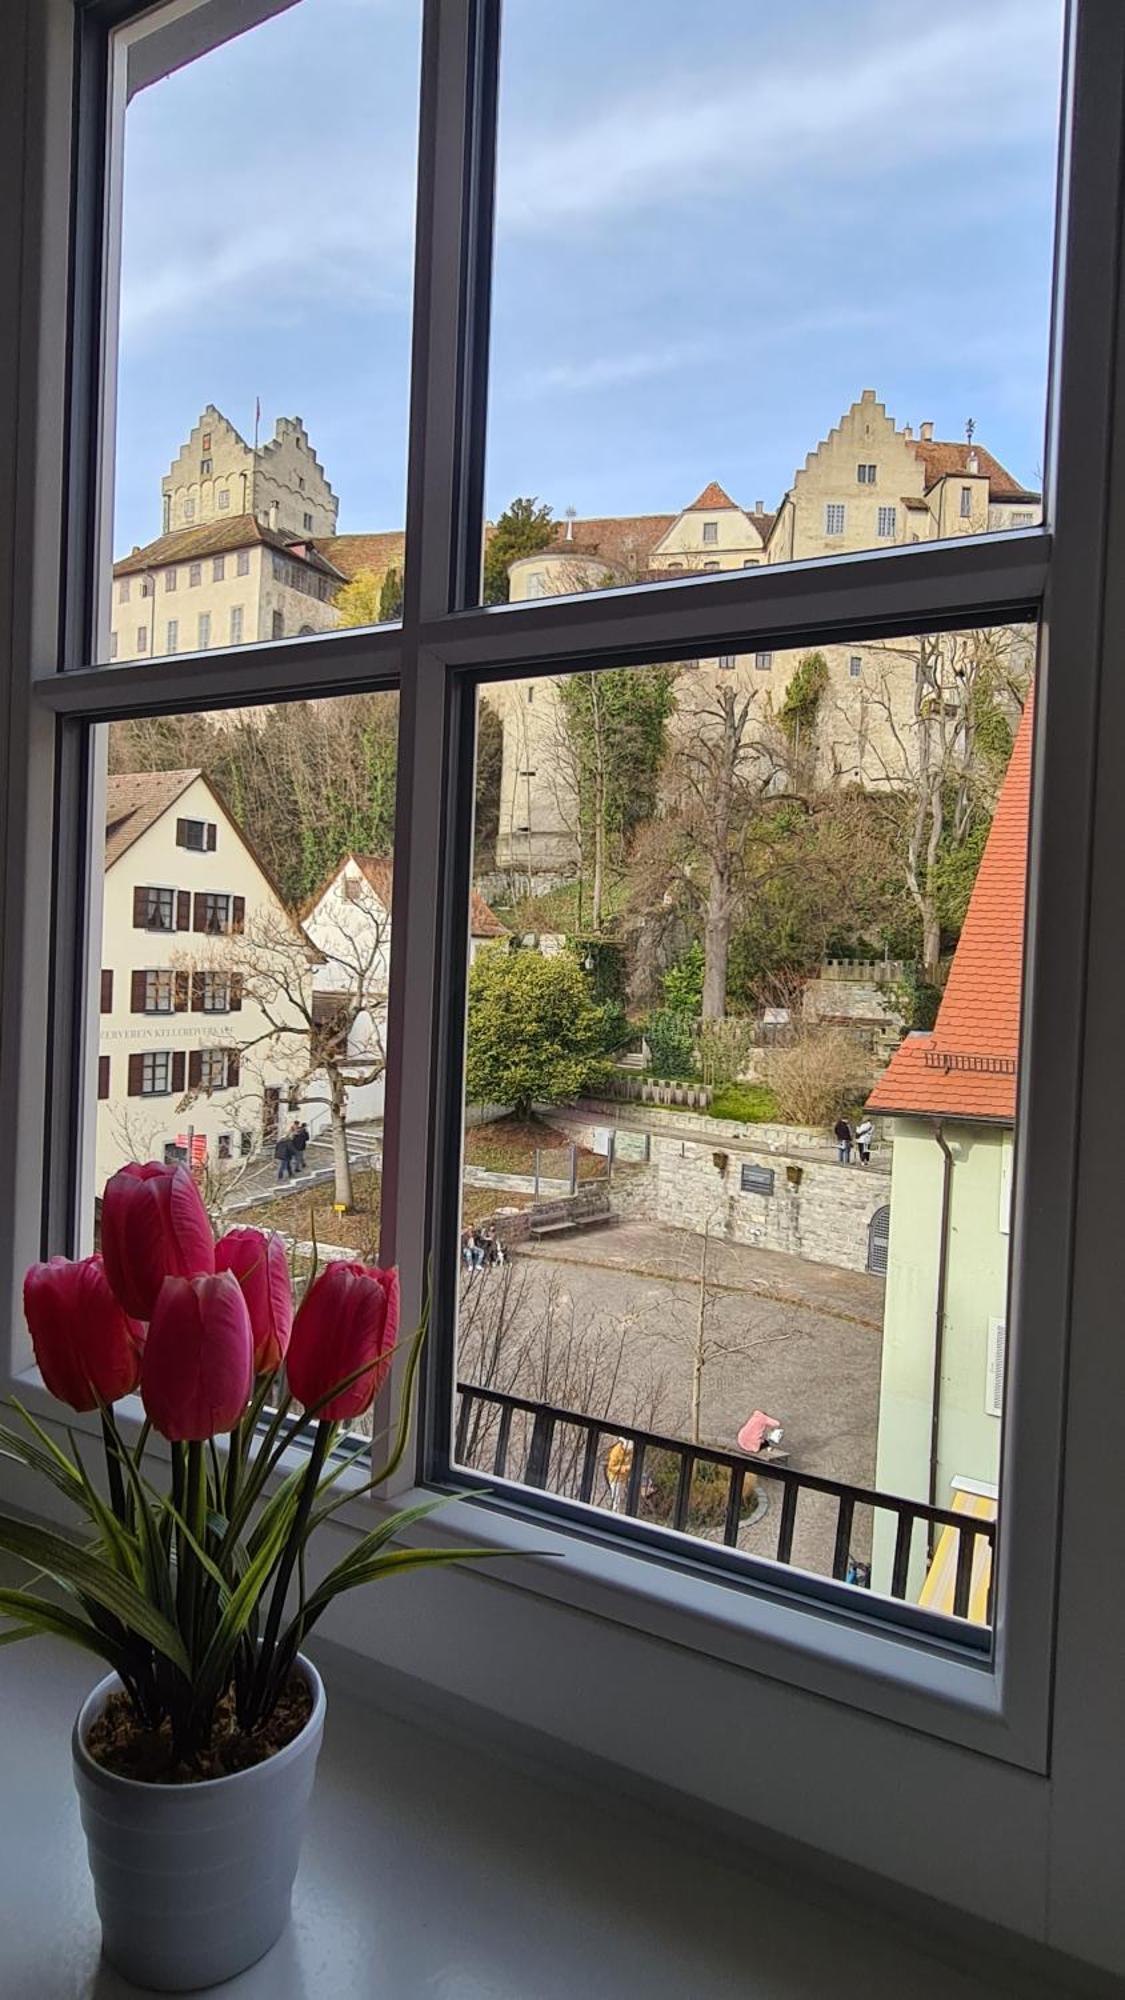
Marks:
<point>223,1039</point>
<point>722,321</point>
<point>263,362</point>
<point>745,963</point>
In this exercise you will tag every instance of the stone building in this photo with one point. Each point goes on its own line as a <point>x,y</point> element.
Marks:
<point>281,483</point>
<point>868,484</point>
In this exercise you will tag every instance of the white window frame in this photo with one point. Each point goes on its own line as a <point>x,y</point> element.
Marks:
<point>835,518</point>
<point>887,523</point>
<point>990,1783</point>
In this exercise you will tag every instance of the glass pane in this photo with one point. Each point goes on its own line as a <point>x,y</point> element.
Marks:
<point>746,945</point>
<point>267,237</point>
<point>245,958</point>
<point>778,293</point>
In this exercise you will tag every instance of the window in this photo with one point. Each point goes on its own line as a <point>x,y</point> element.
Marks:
<point>1022,520</point>
<point>189,510</point>
<point>754,1179</point>
<point>763,662</point>
<point>887,523</point>
<point>216,993</point>
<point>865,474</point>
<point>728,662</point>
<point>216,1068</point>
<point>204,629</point>
<point>855,665</point>
<point>148,586</point>
<point>123,591</point>
<point>245,1142</point>
<point>242,563</point>
<point>170,579</point>
<point>151,1074</point>
<point>834,516</point>
<point>205,443</point>
<point>277,625</point>
<point>308,521</point>
<point>710,531</point>
<point>195,573</point>
<point>154,909</point>
<point>172,635</point>
<point>201,835</point>
<point>711,566</point>
<point>224,499</point>
<point>153,992</point>
<point>103,1077</point>
<point>236,624</point>
<point>226,1146</point>
<point>205,468</point>
<point>142,638</point>
<point>966,502</point>
<point>217,913</point>
<point>218,569</point>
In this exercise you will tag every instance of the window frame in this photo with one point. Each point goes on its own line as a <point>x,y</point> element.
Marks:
<point>443,646</point>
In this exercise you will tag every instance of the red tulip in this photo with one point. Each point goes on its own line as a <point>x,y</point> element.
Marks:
<point>262,1269</point>
<point>88,1349</point>
<point>154,1226</point>
<point>198,1367</point>
<point>348,1316</point>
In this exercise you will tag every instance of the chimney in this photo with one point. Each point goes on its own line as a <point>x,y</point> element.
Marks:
<point>926,433</point>
<point>972,463</point>
<point>908,433</point>
<point>759,506</point>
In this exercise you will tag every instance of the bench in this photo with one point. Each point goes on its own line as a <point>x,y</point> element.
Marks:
<point>551,1228</point>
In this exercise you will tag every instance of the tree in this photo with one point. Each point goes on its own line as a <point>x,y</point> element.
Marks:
<point>490,762</point>
<point>722,771</point>
<point>801,702</point>
<point>535,1035</point>
<point>611,750</point>
<point>390,597</point>
<point>523,529</point>
<point>324,1005</point>
<point>683,982</point>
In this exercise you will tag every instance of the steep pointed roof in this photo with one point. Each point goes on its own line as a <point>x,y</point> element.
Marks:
<point>711,497</point>
<point>966,1066</point>
<point>940,458</point>
<point>134,801</point>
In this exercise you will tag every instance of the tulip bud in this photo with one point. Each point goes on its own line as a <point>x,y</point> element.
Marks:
<point>198,1367</point>
<point>87,1348</point>
<point>262,1268</point>
<point>348,1316</point>
<point>154,1226</point>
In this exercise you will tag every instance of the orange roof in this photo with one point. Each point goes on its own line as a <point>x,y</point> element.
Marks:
<point>940,459</point>
<point>711,496</point>
<point>966,1066</point>
<point>134,801</point>
<point>351,554</point>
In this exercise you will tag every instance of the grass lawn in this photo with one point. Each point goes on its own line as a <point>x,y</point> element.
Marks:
<point>310,1213</point>
<point>752,1103</point>
<point>509,1145</point>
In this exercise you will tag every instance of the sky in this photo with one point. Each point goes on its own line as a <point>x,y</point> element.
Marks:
<point>715,228</point>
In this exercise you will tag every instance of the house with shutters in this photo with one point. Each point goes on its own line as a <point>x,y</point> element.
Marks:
<point>186,1061</point>
<point>949,1095</point>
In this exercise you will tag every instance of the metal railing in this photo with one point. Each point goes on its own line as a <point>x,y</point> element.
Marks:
<point>701,1490</point>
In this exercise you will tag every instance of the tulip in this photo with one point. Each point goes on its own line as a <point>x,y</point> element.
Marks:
<point>87,1348</point>
<point>262,1268</point>
<point>198,1366</point>
<point>154,1226</point>
<point>348,1316</point>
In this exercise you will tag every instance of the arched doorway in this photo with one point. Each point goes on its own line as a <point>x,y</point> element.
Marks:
<point>878,1236</point>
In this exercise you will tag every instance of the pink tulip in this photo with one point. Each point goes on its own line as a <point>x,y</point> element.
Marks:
<point>87,1348</point>
<point>198,1367</point>
<point>154,1226</point>
<point>262,1269</point>
<point>348,1316</point>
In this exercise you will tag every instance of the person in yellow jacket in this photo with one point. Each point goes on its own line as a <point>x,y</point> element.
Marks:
<point>618,1466</point>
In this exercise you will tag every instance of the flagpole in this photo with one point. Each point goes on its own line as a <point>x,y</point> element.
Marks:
<point>254,462</point>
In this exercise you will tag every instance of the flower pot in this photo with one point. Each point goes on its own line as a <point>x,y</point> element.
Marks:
<point>193,1882</point>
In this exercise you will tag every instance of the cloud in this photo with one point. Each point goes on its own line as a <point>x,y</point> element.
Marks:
<point>966,86</point>
<point>610,371</point>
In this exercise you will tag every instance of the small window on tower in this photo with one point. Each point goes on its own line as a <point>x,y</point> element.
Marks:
<point>205,441</point>
<point>204,468</point>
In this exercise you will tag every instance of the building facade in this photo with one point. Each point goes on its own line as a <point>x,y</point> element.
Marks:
<point>216,475</point>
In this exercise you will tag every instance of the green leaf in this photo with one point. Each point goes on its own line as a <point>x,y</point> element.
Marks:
<point>78,1569</point>
<point>115,1537</point>
<point>39,1617</point>
<point>239,1609</point>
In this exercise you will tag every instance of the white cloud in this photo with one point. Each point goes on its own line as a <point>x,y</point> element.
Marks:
<point>608,371</point>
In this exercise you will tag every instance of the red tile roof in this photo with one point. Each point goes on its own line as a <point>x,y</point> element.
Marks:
<point>940,459</point>
<point>352,553</point>
<point>966,1066</point>
<point>134,801</point>
<point>624,541</point>
<point>216,538</point>
<point>712,496</point>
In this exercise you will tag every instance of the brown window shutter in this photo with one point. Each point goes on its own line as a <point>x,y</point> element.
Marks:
<point>140,908</point>
<point>136,1075</point>
<point>181,833</point>
<point>197,993</point>
<point>106,1002</point>
<point>103,1076</point>
<point>235,992</point>
<point>178,1070</point>
<point>238,917</point>
<point>212,836</point>
<point>195,1069</point>
<point>183,909</point>
<point>180,1002</point>
<point>199,921</point>
<point>232,1065</point>
<point>136,993</point>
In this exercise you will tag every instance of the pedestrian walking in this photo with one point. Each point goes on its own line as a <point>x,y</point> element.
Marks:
<point>618,1466</point>
<point>283,1154</point>
<point>300,1138</point>
<point>844,1139</point>
<point>864,1133</point>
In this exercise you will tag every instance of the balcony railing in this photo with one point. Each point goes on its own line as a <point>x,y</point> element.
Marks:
<point>703,1491</point>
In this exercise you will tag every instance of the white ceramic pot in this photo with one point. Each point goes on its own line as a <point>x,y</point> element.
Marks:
<point>193,1881</point>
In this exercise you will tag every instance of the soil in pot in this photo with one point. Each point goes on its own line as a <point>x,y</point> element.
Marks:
<point>120,1743</point>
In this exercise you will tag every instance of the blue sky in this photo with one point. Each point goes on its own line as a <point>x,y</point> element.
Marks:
<point>715,228</point>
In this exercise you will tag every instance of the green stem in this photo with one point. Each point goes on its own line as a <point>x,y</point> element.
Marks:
<point>317,1456</point>
<point>177,1451</point>
<point>114,1473</point>
<point>196,1517</point>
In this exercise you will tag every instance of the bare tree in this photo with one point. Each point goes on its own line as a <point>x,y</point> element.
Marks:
<point>721,768</point>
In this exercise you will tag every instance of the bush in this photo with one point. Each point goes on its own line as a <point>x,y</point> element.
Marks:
<point>707,1502</point>
<point>724,1050</point>
<point>671,1043</point>
<point>535,1035</point>
<point>683,982</point>
<point>817,1076</point>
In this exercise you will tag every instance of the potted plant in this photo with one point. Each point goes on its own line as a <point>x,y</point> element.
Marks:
<point>194,1758</point>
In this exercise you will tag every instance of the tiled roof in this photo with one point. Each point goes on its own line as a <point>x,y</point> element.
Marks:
<point>352,553</point>
<point>216,538</point>
<point>624,541</point>
<point>711,497</point>
<point>134,801</point>
<point>380,874</point>
<point>939,460</point>
<point>966,1066</point>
